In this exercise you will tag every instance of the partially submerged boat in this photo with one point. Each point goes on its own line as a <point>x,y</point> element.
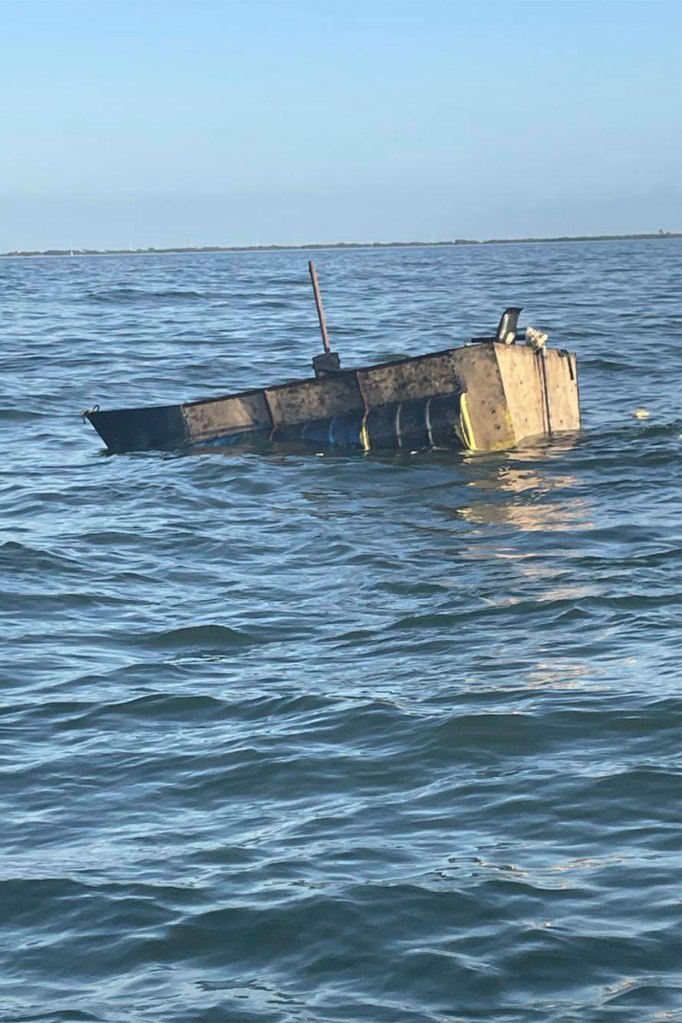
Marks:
<point>489,395</point>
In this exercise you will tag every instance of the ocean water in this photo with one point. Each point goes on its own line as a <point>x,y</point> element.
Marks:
<point>290,738</point>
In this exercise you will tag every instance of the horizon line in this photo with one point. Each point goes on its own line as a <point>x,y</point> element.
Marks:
<point>71,251</point>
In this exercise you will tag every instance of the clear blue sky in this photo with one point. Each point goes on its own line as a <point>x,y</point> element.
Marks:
<point>163,122</point>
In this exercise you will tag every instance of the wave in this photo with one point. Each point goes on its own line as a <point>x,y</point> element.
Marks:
<point>200,638</point>
<point>137,295</point>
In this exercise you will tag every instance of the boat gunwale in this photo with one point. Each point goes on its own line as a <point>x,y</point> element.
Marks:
<point>308,380</point>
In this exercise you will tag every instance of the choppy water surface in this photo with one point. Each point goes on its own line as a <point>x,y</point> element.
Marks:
<point>291,738</point>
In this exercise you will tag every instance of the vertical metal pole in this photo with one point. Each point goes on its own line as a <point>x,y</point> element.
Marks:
<point>320,308</point>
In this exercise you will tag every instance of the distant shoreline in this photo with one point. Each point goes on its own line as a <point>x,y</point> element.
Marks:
<point>337,245</point>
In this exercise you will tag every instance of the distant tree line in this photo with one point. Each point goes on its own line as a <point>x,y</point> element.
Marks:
<point>337,245</point>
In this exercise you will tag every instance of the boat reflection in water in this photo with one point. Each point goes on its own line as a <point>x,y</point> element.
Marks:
<point>528,495</point>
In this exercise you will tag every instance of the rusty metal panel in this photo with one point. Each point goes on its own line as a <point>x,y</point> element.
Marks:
<point>139,429</point>
<point>487,425</point>
<point>321,398</point>
<point>218,416</point>
<point>404,381</point>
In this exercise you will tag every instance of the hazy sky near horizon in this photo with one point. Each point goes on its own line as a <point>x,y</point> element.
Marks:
<point>177,122</point>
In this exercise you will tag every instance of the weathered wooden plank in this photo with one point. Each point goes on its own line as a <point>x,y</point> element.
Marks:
<point>523,387</point>
<point>562,390</point>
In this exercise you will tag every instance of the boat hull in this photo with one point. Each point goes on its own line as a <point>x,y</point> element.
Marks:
<point>483,397</point>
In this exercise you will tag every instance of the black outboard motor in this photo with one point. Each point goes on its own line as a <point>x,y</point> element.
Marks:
<point>507,327</point>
